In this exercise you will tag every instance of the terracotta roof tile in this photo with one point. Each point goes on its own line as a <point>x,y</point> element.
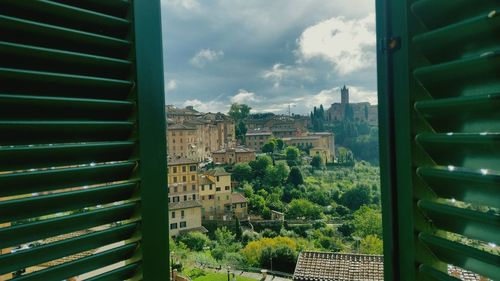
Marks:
<point>316,266</point>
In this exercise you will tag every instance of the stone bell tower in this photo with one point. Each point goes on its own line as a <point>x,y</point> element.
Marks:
<point>344,95</point>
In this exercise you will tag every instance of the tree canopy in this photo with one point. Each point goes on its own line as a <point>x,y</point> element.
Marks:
<point>240,112</point>
<point>295,176</point>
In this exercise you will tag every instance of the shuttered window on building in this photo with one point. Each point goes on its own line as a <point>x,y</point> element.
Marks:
<point>439,94</point>
<point>82,147</point>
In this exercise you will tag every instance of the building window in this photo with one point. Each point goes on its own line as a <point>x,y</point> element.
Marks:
<point>193,187</point>
<point>185,197</point>
<point>174,169</point>
<point>227,197</point>
<point>202,188</point>
<point>218,198</point>
<point>173,226</point>
<point>192,168</point>
<point>217,189</point>
<point>194,196</point>
<point>183,169</point>
<point>176,189</point>
<point>211,187</point>
<point>218,178</point>
<point>183,224</point>
<point>227,187</point>
<point>184,188</point>
<point>173,214</point>
<point>182,214</point>
<point>202,197</point>
<point>210,197</point>
<point>193,177</point>
<point>175,179</point>
<point>184,178</point>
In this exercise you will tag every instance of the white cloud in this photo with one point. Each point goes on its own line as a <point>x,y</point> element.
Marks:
<point>185,4</point>
<point>245,97</point>
<point>205,56</point>
<point>171,85</point>
<point>210,106</point>
<point>347,43</point>
<point>279,72</point>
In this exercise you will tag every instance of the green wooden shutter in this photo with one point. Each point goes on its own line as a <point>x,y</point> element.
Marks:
<point>439,97</point>
<point>82,139</point>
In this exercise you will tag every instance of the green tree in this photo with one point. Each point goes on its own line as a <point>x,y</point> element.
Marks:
<point>367,221</point>
<point>257,203</point>
<point>260,165</point>
<point>330,243</point>
<point>266,213</point>
<point>248,190</point>
<point>356,197</point>
<point>317,162</point>
<point>302,208</point>
<point>283,258</point>
<point>372,245</point>
<point>347,229</point>
<point>237,227</point>
<point>280,144</point>
<point>269,146</point>
<point>241,131</point>
<point>295,176</point>
<point>242,172</point>
<point>224,236</point>
<point>277,175</point>
<point>194,240</point>
<point>292,155</point>
<point>319,197</point>
<point>225,243</point>
<point>239,112</point>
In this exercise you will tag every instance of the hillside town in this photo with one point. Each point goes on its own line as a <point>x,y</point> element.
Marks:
<point>197,140</point>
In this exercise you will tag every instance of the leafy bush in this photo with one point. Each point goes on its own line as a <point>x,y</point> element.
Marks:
<point>302,208</point>
<point>195,241</point>
<point>356,197</point>
<point>371,244</point>
<point>367,221</point>
<point>194,272</point>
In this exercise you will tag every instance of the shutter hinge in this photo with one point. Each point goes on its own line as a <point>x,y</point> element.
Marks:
<point>390,44</point>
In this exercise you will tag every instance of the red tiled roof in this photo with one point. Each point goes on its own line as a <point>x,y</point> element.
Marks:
<point>238,198</point>
<point>316,266</point>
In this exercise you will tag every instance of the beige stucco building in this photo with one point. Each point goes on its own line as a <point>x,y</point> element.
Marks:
<point>183,196</point>
<point>238,206</point>
<point>215,193</point>
<point>323,143</point>
<point>233,155</point>
<point>255,139</point>
<point>194,135</point>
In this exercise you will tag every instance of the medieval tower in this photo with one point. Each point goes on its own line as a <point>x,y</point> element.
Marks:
<point>344,95</point>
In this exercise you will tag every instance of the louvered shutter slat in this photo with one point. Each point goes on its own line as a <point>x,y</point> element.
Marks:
<point>474,224</point>
<point>52,179</point>
<point>19,209</point>
<point>439,89</point>
<point>49,155</point>
<point>67,247</point>
<point>33,231</point>
<point>82,140</point>
<point>83,265</point>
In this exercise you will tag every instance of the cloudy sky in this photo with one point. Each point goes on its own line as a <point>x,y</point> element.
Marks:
<point>268,54</point>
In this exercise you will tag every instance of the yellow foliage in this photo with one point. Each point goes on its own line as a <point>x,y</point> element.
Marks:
<point>253,250</point>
